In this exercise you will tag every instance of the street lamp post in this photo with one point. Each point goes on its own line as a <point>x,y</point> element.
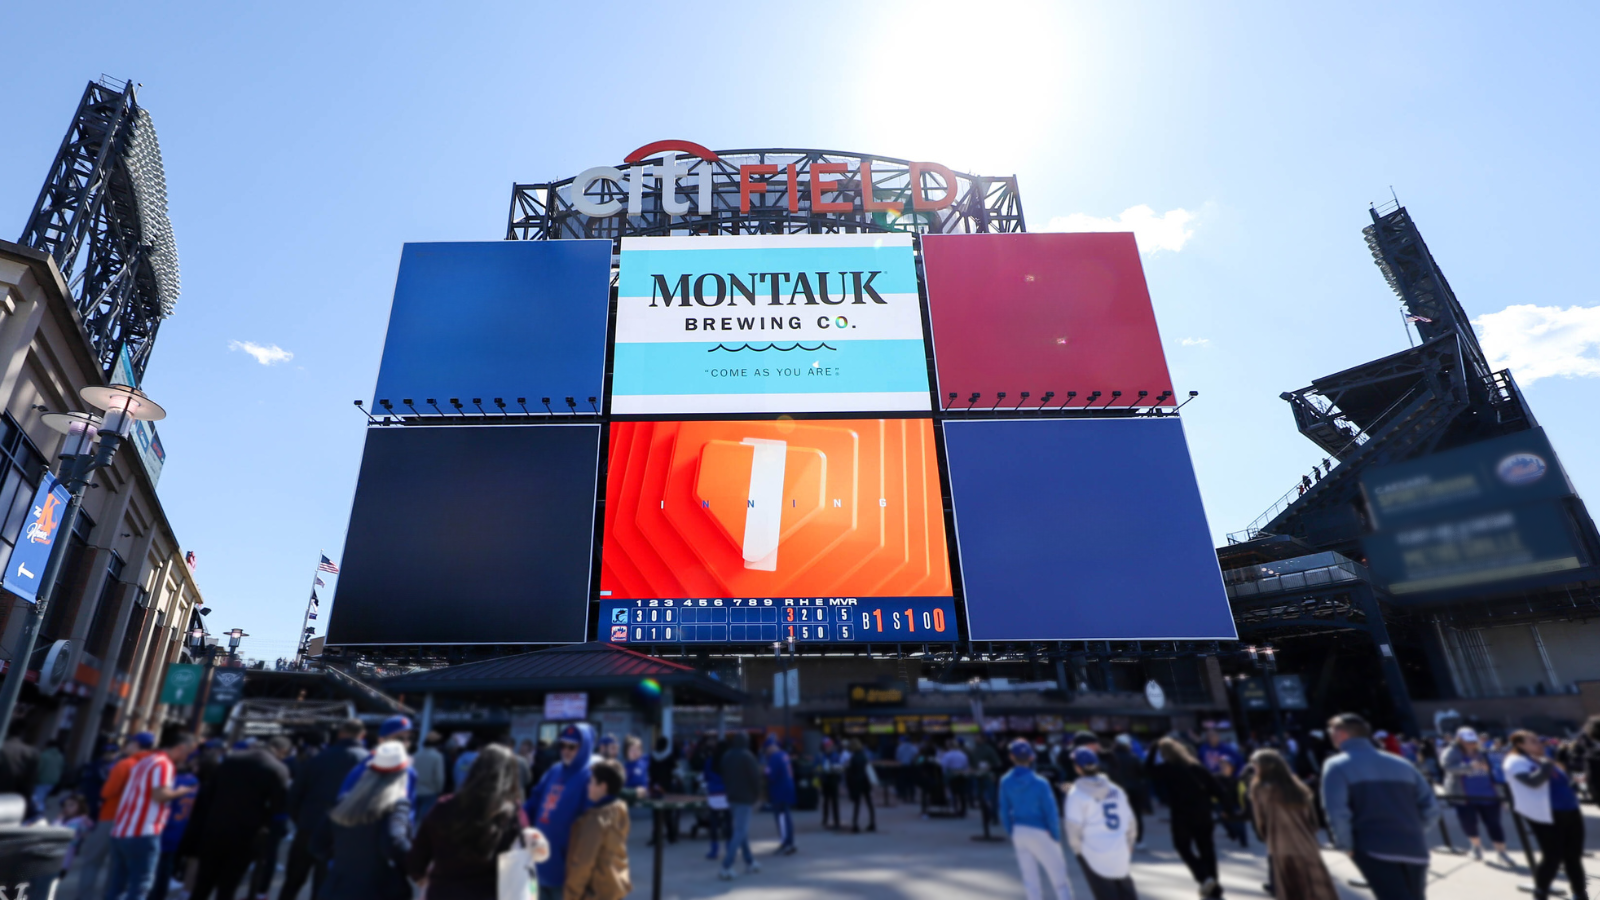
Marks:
<point>80,457</point>
<point>234,637</point>
<point>198,648</point>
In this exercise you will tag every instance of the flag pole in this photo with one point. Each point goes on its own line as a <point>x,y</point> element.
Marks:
<point>301,644</point>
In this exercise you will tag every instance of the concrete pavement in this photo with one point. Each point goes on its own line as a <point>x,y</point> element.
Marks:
<point>910,858</point>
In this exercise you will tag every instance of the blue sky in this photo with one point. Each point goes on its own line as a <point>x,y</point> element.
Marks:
<point>305,143</point>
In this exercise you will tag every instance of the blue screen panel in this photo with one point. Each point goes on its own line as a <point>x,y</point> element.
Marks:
<point>497,319</point>
<point>1080,529</point>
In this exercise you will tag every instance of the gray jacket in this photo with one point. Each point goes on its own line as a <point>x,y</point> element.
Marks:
<point>1377,803</point>
<point>1457,765</point>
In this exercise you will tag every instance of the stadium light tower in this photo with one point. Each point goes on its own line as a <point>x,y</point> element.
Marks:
<point>80,457</point>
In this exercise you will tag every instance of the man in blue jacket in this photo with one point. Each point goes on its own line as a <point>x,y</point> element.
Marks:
<point>1029,815</point>
<point>780,793</point>
<point>561,796</point>
<point>1379,811</point>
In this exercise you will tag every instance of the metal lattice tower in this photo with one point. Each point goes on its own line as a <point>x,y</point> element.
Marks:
<point>982,204</point>
<point>102,214</point>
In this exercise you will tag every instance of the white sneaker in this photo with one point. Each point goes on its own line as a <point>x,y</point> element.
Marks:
<point>753,868</point>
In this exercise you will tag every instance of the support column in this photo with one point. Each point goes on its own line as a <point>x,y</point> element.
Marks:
<point>1393,678</point>
<point>425,725</point>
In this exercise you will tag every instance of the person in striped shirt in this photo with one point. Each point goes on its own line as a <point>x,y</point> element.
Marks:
<point>141,815</point>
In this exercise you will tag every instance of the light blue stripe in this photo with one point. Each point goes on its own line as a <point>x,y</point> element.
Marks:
<point>899,271</point>
<point>855,367</point>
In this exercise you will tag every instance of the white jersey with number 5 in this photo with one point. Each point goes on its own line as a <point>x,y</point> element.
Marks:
<point>1100,826</point>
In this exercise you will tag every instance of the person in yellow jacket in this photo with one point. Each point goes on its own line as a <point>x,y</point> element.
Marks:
<point>597,857</point>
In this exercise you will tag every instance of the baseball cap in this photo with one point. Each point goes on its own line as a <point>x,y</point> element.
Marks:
<point>1085,757</point>
<point>1125,740</point>
<point>394,725</point>
<point>1084,738</point>
<point>1466,735</point>
<point>390,756</point>
<point>609,739</point>
<point>1021,749</point>
<point>145,740</point>
<point>571,735</point>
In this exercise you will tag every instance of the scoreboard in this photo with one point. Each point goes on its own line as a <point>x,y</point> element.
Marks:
<point>725,620</point>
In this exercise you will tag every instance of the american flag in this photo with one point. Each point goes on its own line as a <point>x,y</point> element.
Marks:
<point>319,582</point>
<point>327,566</point>
<point>190,561</point>
<point>1414,318</point>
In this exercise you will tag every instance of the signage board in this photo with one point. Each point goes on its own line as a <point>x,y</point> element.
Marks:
<point>182,685</point>
<point>145,440</point>
<point>863,696</point>
<point>1473,548</point>
<point>1489,475</point>
<point>1253,694</point>
<point>566,707</point>
<point>1047,513</point>
<point>227,686</point>
<point>39,529</point>
<point>768,323</point>
<point>1291,691</point>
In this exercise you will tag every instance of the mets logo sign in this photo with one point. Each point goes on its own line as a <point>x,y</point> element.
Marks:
<point>47,515</point>
<point>1520,469</point>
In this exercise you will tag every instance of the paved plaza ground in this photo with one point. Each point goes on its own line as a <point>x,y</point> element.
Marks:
<point>911,858</point>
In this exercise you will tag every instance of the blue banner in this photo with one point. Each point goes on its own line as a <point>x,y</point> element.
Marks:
<point>38,535</point>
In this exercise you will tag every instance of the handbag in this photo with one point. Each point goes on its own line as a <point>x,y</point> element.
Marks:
<point>515,878</point>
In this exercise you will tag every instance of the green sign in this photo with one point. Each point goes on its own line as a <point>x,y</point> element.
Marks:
<point>182,685</point>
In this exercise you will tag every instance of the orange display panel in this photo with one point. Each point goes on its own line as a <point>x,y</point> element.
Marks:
<point>774,509</point>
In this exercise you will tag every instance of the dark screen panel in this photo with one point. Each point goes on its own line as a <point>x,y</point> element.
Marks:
<point>1083,529</point>
<point>470,535</point>
<point>501,319</point>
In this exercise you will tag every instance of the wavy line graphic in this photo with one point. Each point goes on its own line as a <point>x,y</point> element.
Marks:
<point>794,346</point>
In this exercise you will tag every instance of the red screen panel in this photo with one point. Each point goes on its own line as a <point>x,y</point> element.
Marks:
<point>1042,312</point>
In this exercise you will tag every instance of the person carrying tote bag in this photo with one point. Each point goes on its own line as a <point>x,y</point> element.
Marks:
<point>474,844</point>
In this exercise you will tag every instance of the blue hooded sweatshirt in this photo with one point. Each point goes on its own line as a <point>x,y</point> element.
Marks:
<point>561,796</point>
<point>780,776</point>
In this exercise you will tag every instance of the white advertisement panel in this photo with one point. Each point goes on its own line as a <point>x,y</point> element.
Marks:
<point>769,323</point>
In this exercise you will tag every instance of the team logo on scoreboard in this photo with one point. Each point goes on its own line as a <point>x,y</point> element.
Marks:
<point>1520,469</point>
<point>619,633</point>
<point>619,616</point>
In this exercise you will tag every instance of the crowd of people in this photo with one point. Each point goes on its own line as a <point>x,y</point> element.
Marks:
<point>372,816</point>
<point>364,818</point>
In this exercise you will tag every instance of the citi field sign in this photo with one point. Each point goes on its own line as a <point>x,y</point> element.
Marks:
<point>828,187</point>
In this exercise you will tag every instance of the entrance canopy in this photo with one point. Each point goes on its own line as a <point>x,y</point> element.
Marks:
<point>593,666</point>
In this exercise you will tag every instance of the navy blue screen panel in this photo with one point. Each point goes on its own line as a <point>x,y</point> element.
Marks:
<point>1083,529</point>
<point>501,319</point>
<point>470,535</point>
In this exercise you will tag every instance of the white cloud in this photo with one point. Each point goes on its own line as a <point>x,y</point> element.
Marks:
<point>266,355</point>
<point>1537,342</point>
<point>1154,233</point>
<point>1196,342</point>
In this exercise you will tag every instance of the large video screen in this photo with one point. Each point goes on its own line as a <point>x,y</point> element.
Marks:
<point>1487,513</point>
<point>1058,317</point>
<point>470,535</point>
<point>1083,529</point>
<point>832,528</point>
<point>768,323</point>
<point>488,319</point>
